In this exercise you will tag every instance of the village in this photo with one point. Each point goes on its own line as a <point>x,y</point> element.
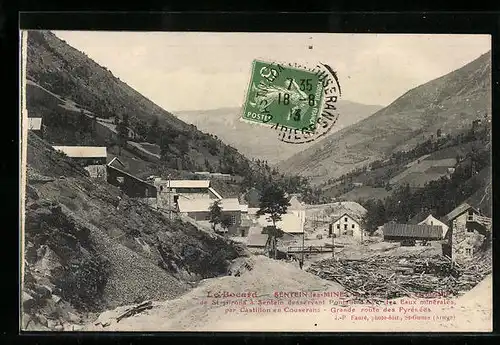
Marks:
<point>317,238</point>
<point>166,213</point>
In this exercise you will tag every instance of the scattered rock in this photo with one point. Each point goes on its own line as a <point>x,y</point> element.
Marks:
<point>28,301</point>
<point>43,291</point>
<point>43,320</point>
<point>36,326</point>
<point>73,318</point>
<point>26,319</point>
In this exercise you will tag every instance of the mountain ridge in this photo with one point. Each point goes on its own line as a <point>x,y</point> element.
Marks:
<point>261,143</point>
<point>71,74</point>
<point>448,103</point>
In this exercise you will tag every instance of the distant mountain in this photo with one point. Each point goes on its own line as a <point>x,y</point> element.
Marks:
<point>449,103</point>
<point>262,143</point>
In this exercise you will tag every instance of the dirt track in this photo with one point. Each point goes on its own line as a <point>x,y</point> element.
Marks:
<point>472,311</point>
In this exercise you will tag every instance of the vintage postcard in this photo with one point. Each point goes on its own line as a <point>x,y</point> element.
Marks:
<point>204,181</point>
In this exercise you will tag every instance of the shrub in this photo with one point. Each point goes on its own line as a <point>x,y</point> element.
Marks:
<point>83,282</point>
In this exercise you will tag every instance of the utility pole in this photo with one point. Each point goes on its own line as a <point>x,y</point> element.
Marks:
<point>303,244</point>
<point>333,241</point>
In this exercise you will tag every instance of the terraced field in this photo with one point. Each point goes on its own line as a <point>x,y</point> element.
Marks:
<point>423,171</point>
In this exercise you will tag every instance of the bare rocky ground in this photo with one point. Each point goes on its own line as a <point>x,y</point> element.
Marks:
<point>89,248</point>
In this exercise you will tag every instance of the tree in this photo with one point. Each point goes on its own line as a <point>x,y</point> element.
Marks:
<point>274,204</point>
<point>226,223</point>
<point>215,214</point>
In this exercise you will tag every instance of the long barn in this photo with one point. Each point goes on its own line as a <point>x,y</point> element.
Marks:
<point>412,232</point>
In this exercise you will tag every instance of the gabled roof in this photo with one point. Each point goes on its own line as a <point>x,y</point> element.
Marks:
<point>214,192</point>
<point>203,205</point>
<point>83,151</point>
<point>415,231</point>
<point>116,159</point>
<point>457,212</point>
<point>433,219</point>
<point>131,176</point>
<point>353,217</point>
<point>295,204</point>
<point>34,123</point>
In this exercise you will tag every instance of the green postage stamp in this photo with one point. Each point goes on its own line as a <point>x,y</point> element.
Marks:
<point>283,95</point>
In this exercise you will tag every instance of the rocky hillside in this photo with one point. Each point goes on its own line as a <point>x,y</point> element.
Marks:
<point>449,103</point>
<point>70,74</point>
<point>88,247</point>
<point>257,142</point>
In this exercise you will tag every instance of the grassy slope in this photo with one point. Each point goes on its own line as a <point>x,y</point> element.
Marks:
<point>65,71</point>
<point>449,102</point>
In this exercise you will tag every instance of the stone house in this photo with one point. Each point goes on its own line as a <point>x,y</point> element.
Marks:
<point>468,233</point>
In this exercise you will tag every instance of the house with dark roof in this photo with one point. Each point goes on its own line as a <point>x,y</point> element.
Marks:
<point>411,232</point>
<point>467,234</point>
<point>131,185</point>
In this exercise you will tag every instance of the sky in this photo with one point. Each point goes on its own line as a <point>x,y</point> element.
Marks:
<point>202,70</point>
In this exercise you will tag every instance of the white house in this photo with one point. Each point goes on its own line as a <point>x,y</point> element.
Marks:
<point>348,225</point>
<point>92,158</point>
<point>297,208</point>
<point>184,189</point>
<point>431,220</point>
<point>290,223</point>
<point>34,123</point>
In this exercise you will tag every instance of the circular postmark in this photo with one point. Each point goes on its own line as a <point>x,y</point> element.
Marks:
<point>297,102</point>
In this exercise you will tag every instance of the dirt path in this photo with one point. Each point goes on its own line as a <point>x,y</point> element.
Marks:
<point>471,312</point>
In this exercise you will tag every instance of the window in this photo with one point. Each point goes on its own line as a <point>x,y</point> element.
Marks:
<point>468,251</point>
<point>338,226</point>
<point>470,230</point>
<point>352,226</point>
<point>432,223</point>
<point>345,219</point>
<point>345,226</point>
<point>233,220</point>
<point>470,215</point>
